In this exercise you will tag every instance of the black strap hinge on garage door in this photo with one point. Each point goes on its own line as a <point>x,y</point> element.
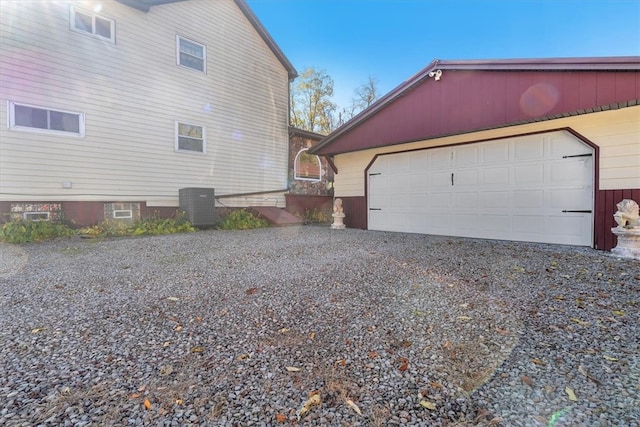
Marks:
<point>378,173</point>
<point>375,209</point>
<point>578,155</point>
<point>576,211</point>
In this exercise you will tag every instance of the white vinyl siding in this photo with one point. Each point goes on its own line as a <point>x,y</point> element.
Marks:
<point>616,132</point>
<point>90,23</point>
<point>132,94</point>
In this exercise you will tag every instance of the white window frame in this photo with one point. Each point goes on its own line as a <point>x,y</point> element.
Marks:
<point>295,168</point>
<point>177,138</point>
<point>36,216</point>
<point>179,38</point>
<point>11,120</point>
<point>94,16</point>
<point>122,213</point>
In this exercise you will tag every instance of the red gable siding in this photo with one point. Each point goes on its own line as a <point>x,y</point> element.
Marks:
<point>470,100</point>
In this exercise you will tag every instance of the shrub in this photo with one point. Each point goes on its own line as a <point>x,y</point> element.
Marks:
<point>316,216</point>
<point>23,231</point>
<point>242,220</point>
<point>145,227</point>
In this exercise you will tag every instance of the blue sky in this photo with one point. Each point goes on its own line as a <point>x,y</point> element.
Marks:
<point>392,40</point>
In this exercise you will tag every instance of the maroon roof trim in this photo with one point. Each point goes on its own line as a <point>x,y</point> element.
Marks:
<point>293,131</point>
<point>622,63</point>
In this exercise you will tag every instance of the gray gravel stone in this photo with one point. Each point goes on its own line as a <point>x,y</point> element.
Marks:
<point>199,329</point>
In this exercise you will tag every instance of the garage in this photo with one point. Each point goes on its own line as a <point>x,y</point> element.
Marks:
<point>535,188</point>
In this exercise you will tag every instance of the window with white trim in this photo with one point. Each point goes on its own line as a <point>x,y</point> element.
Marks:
<point>191,54</point>
<point>92,24</point>
<point>42,119</point>
<point>307,167</point>
<point>190,138</point>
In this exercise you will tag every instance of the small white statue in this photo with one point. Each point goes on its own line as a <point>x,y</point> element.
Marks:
<point>628,215</point>
<point>338,215</point>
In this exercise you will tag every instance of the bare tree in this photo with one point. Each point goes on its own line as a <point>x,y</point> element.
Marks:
<point>364,96</point>
<point>311,105</point>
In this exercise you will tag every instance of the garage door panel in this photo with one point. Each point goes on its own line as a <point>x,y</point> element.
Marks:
<point>495,176</point>
<point>468,201</point>
<point>465,177</point>
<point>494,199</point>
<point>569,199</point>
<point>528,199</point>
<point>527,149</point>
<point>513,188</point>
<point>440,201</point>
<point>418,161</point>
<point>440,158</point>
<point>494,152</point>
<point>466,155</point>
<point>529,175</point>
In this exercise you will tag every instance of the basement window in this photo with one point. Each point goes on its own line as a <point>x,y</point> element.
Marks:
<point>36,216</point>
<point>123,213</point>
<point>307,167</point>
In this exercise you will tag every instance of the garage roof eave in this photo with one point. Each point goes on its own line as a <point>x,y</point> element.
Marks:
<point>618,63</point>
<point>616,106</point>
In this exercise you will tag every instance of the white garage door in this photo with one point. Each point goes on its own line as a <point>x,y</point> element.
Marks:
<point>536,188</point>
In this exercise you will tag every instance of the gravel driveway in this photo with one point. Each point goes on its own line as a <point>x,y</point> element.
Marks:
<point>311,326</point>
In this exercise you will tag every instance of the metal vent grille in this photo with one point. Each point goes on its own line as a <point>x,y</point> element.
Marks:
<point>198,204</point>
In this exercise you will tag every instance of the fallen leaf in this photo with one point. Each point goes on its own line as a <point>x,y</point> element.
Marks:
<point>373,354</point>
<point>618,312</point>
<point>447,345</point>
<point>429,405</point>
<point>198,319</point>
<point>284,330</point>
<point>538,361</point>
<point>502,331</point>
<point>173,298</point>
<point>166,370</point>
<point>312,335</point>
<point>293,369</point>
<point>281,418</point>
<point>37,330</point>
<point>147,404</point>
<point>404,364</point>
<point>435,385</point>
<point>197,349</point>
<point>353,406</point>
<point>306,406</point>
<point>571,394</point>
<point>142,388</point>
<point>166,344</point>
<point>244,356</point>
<point>251,291</point>
<point>580,322</point>
<point>135,395</point>
<point>341,362</point>
<point>586,373</point>
<point>179,401</point>
<point>405,343</point>
<point>527,380</point>
<point>178,328</point>
<point>610,359</point>
<point>542,420</point>
<point>464,318</point>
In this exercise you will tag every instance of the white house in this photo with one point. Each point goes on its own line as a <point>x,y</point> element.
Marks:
<point>109,108</point>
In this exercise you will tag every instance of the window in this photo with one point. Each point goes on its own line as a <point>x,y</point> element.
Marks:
<point>122,213</point>
<point>90,23</point>
<point>307,166</point>
<point>36,216</point>
<point>191,54</point>
<point>190,138</point>
<point>29,117</point>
